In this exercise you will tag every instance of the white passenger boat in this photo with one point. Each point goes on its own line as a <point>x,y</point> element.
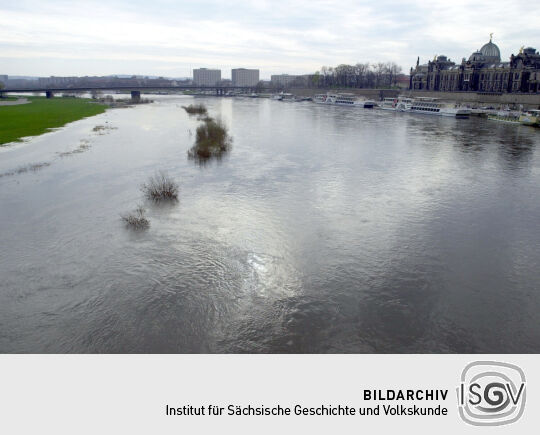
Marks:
<point>346,100</point>
<point>331,98</point>
<point>287,97</point>
<point>283,96</point>
<point>400,104</point>
<point>389,104</point>
<point>431,106</point>
<point>343,99</point>
<point>394,103</point>
<point>320,98</point>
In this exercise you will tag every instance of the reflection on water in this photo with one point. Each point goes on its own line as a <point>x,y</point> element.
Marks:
<point>326,229</point>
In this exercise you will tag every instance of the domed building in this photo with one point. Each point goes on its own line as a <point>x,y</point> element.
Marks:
<point>477,56</point>
<point>491,52</point>
<point>482,72</point>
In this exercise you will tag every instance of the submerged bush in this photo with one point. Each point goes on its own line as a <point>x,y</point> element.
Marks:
<point>160,187</point>
<point>211,140</point>
<point>195,109</point>
<point>136,219</point>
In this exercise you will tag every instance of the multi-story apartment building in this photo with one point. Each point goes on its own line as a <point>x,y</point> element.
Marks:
<point>206,77</point>
<point>57,81</point>
<point>244,77</point>
<point>282,79</point>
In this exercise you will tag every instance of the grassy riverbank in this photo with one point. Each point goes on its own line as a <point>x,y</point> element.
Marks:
<point>42,114</point>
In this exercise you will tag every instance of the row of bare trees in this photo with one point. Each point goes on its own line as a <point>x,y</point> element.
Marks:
<point>361,75</point>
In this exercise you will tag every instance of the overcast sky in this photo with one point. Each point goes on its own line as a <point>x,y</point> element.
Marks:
<point>170,37</point>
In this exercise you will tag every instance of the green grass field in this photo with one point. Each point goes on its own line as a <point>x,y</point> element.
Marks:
<point>42,114</point>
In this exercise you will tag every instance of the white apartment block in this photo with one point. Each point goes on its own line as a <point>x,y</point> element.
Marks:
<point>282,79</point>
<point>244,77</point>
<point>206,77</point>
<point>56,81</point>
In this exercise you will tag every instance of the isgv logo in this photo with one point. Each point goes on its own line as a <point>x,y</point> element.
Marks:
<point>491,393</point>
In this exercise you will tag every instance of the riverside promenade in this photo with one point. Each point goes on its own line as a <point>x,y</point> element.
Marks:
<point>14,103</point>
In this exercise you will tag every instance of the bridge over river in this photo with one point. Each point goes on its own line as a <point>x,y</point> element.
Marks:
<point>136,90</point>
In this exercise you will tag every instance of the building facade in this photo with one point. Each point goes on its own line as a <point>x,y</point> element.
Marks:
<point>282,79</point>
<point>482,72</point>
<point>206,77</point>
<point>244,77</point>
<point>57,81</point>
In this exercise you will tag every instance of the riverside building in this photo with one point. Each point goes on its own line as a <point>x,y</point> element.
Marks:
<point>206,77</point>
<point>282,79</point>
<point>483,72</point>
<point>244,77</point>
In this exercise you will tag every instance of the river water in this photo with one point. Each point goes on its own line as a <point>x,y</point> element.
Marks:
<point>324,229</point>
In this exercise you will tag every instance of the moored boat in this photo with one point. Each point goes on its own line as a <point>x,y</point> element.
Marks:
<point>368,104</point>
<point>505,116</point>
<point>431,106</point>
<point>400,104</point>
<point>343,99</point>
<point>404,104</point>
<point>389,104</point>
<point>531,118</point>
<point>320,98</point>
<point>287,97</point>
<point>331,98</point>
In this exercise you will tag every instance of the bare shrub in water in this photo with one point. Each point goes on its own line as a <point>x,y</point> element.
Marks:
<point>160,187</point>
<point>211,140</point>
<point>195,109</point>
<point>136,219</point>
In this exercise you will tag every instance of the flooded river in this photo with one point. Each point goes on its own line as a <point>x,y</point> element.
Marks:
<point>324,229</point>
